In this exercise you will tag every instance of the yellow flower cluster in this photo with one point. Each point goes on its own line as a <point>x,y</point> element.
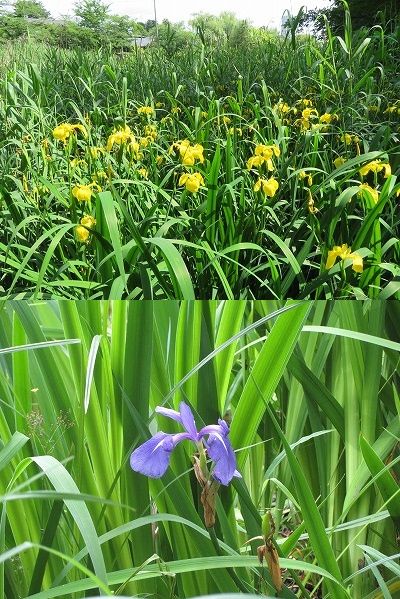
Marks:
<point>344,253</point>
<point>143,172</point>
<point>63,131</point>
<point>307,119</point>
<point>82,231</point>
<point>146,110</point>
<point>151,132</point>
<point>192,181</point>
<point>282,108</point>
<point>305,115</point>
<point>263,155</point>
<point>189,154</point>
<point>95,151</point>
<point>268,186</point>
<point>83,193</point>
<point>120,136</point>
<point>376,166</point>
<point>393,108</point>
<point>350,139</point>
<point>328,118</point>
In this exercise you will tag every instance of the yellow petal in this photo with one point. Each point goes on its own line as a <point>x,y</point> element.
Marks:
<point>82,234</point>
<point>358,265</point>
<point>183,178</point>
<point>332,255</point>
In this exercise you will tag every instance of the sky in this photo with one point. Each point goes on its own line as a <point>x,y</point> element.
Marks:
<point>258,12</point>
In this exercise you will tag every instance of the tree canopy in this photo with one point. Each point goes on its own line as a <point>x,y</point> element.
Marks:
<point>364,13</point>
<point>92,13</point>
<point>31,9</point>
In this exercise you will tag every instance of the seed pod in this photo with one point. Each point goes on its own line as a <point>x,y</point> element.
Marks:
<point>208,499</point>
<point>272,558</point>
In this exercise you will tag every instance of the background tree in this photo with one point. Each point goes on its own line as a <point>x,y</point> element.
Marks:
<point>149,24</point>
<point>120,31</point>
<point>173,37</point>
<point>92,14</point>
<point>225,28</point>
<point>363,14</point>
<point>31,9</point>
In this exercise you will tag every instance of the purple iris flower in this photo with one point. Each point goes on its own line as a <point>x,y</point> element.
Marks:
<point>152,458</point>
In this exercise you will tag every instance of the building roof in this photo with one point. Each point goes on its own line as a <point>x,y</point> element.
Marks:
<point>142,42</point>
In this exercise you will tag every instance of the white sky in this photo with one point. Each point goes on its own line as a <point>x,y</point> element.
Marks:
<point>259,12</point>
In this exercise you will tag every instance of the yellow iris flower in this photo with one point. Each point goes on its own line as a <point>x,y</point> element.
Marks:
<point>327,118</point>
<point>121,136</point>
<point>282,107</point>
<point>151,131</point>
<point>267,151</point>
<point>134,148</point>
<point>376,166</point>
<point>192,181</point>
<point>82,234</point>
<point>339,161</point>
<point>255,162</point>
<point>147,110</point>
<point>95,151</point>
<point>143,172</point>
<point>189,154</point>
<point>303,175</point>
<point>371,190</point>
<point>83,193</point>
<point>63,131</point>
<point>268,186</point>
<point>263,155</point>
<point>344,252</point>
<point>307,113</point>
<point>82,231</point>
<point>346,137</point>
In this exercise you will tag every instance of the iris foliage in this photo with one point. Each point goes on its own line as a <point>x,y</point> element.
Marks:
<point>146,176</point>
<point>309,392</point>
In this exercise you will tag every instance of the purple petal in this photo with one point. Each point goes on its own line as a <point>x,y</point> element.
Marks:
<point>188,421</point>
<point>220,451</point>
<point>152,458</point>
<point>169,413</point>
<point>220,429</point>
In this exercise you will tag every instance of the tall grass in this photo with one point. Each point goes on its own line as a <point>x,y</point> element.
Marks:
<point>310,390</point>
<point>155,239</point>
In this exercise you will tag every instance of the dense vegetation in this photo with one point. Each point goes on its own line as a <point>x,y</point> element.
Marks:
<point>363,14</point>
<point>231,163</point>
<point>310,392</point>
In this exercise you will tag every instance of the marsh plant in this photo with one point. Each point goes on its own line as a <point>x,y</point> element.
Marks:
<point>216,448</point>
<point>265,169</point>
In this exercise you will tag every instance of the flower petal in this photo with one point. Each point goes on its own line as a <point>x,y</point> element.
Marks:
<point>152,458</point>
<point>220,451</point>
<point>169,413</point>
<point>187,420</point>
